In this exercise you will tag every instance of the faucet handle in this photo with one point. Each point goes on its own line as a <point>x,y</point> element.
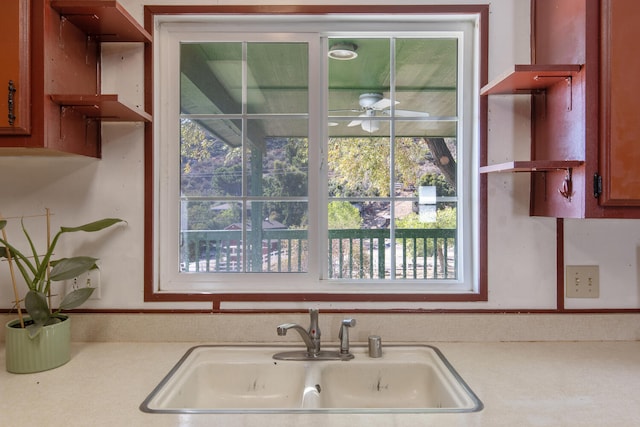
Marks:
<point>314,328</point>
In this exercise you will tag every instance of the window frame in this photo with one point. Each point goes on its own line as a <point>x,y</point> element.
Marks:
<point>150,275</point>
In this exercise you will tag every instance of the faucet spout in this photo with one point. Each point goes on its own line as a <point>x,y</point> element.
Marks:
<point>306,337</point>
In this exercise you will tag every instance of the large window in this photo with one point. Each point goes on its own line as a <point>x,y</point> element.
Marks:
<point>316,157</point>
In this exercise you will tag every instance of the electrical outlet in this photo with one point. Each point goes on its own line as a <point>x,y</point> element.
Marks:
<point>89,279</point>
<point>582,281</point>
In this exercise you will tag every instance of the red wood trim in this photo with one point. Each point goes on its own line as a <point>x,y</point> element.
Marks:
<point>149,294</point>
<point>149,200</point>
<point>559,264</point>
<point>611,311</point>
<point>483,291</point>
<point>313,9</point>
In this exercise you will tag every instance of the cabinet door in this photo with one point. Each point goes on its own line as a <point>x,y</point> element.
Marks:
<point>14,73</point>
<point>620,103</point>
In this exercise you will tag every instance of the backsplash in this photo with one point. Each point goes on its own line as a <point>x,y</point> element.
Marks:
<point>423,328</point>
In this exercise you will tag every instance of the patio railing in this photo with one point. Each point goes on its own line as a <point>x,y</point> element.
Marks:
<point>354,254</point>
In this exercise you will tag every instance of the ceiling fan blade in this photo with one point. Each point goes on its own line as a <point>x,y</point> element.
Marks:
<point>382,104</point>
<point>346,110</point>
<point>357,122</point>
<point>407,113</point>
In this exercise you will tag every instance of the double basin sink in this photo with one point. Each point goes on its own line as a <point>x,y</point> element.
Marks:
<point>245,379</point>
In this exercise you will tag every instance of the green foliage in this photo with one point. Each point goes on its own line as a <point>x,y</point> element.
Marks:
<point>446,218</point>
<point>443,188</point>
<point>361,166</point>
<point>227,180</point>
<point>343,216</point>
<point>194,145</point>
<point>34,270</point>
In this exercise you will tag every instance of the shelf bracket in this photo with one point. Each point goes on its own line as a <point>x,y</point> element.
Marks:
<point>567,185</point>
<point>568,81</point>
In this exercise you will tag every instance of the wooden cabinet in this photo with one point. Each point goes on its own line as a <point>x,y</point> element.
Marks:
<point>620,101</point>
<point>14,73</point>
<point>585,133</point>
<point>65,104</point>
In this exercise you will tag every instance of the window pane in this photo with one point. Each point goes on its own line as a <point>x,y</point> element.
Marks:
<point>426,77</point>
<point>211,78</point>
<point>273,237</point>
<point>358,240</point>
<point>426,241</point>
<point>277,237</point>
<point>277,78</point>
<point>209,166</point>
<point>209,236</point>
<point>358,167</point>
<point>278,166</point>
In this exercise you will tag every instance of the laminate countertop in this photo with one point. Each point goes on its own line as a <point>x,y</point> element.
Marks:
<point>520,383</point>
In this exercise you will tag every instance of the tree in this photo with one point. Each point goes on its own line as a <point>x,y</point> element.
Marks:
<point>361,166</point>
<point>194,144</point>
<point>343,215</point>
<point>443,159</point>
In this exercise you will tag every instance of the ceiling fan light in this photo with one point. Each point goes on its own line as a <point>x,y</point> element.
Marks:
<point>343,51</point>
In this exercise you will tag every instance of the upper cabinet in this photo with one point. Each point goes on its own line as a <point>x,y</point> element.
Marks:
<point>14,73</point>
<point>54,68</point>
<point>584,103</point>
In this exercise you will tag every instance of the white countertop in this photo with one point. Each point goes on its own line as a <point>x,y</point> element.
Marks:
<point>521,384</point>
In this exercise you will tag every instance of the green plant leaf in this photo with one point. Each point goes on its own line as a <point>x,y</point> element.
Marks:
<point>68,268</point>
<point>34,252</point>
<point>93,226</point>
<point>76,298</point>
<point>37,307</point>
<point>3,223</point>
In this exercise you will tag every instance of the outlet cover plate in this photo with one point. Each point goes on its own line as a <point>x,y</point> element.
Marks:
<point>89,279</point>
<point>582,281</point>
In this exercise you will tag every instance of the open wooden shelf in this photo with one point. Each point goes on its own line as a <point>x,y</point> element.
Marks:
<point>106,20</point>
<point>532,166</point>
<point>525,79</point>
<point>102,107</point>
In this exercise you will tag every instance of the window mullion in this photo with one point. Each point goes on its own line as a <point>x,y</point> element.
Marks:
<point>392,162</point>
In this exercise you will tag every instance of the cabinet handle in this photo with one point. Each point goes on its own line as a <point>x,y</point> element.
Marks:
<point>10,103</point>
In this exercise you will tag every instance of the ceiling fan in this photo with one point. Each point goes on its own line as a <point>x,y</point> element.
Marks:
<point>371,104</point>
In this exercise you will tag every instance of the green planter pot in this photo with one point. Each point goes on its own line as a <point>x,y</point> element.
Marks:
<point>49,349</point>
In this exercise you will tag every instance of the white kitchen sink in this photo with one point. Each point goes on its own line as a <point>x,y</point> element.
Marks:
<point>234,379</point>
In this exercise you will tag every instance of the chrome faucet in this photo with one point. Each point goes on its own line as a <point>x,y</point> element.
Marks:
<point>311,337</point>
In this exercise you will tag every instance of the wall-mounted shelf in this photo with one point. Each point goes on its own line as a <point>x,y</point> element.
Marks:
<point>106,20</point>
<point>56,71</point>
<point>102,107</point>
<point>526,79</point>
<point>532,166</point>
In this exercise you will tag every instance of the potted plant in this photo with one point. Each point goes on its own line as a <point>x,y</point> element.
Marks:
<point>41,340</point>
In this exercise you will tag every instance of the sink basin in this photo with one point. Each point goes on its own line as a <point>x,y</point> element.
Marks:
<point>234,379</point>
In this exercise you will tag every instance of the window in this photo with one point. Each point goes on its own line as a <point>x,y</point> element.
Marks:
<point>286,170</point>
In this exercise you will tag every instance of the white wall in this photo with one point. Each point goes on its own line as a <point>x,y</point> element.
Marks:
<point>522,271</point>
